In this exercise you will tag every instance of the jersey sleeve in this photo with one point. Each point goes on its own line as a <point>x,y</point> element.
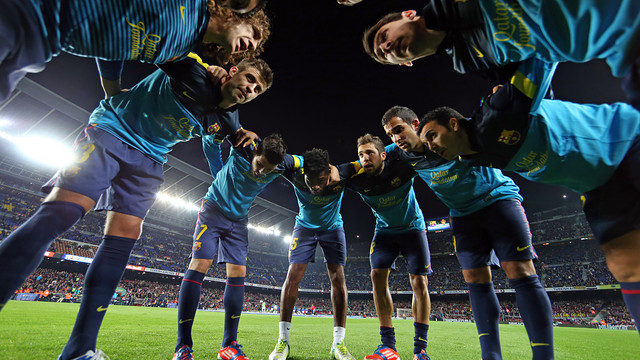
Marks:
<point>213,152</point>
<point>191,85</point>
<point>532,79</point>
<point>291,163</point>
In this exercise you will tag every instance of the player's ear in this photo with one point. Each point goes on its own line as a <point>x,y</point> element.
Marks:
<point>409,14</point>
<point>415,123</point>
<point>454,124</point>
<point>409,63</point>
<point>383,155</point>
<point>233,71</point>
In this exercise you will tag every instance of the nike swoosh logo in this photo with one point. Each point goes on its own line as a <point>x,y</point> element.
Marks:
<point>478,52</point>
<point>182,13</point>
<point>101,309</point>
<point>427,266</point>
<point>413,164</point>
<point>483,334</point>
<point>421,339</point>
<point>185,93</point>
<point>235,316</point>
<point>539,344</point>
<point>184,321</point>
<point>523,248</point>
<point>367,190</point>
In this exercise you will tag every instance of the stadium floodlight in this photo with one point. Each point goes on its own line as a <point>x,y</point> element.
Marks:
<point>287,239</point>
<point>177,202</point>
<point>43,150</point>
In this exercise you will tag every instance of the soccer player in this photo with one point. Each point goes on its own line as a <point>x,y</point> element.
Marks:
<point>487,220</point>
<point>485,35</point>
<point>222,229</point>
<point>118,168</point>
<point>597,155</point>
<point>318,223</point>
<point>149,31</point>
<point>386,185</point>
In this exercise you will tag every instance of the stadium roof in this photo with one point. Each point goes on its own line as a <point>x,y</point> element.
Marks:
<point>42,114</point>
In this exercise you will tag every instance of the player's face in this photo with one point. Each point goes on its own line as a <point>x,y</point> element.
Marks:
<point>260,166</point>
<point>403,134</point>
<point>441,140</point>
<point>398,42</point>
<point>372,161</point>
<point>240,38</point>
<point>243,86</point>
<point>317,183</point>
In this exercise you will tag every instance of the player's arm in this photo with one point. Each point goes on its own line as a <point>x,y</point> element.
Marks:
<point>191,85</point>
<point>526,88</point>
<point>212,148</point>
<point>291,163</point>
<point>110,72</point>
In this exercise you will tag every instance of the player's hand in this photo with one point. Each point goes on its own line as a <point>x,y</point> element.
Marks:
<point>495,89</point>
<point>216,74</point>
<point>334,176</point>
<point>245,137</point>
<point>348,2</point>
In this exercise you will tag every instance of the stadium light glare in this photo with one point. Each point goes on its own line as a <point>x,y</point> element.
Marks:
<point>176,202</point>
<point>287,239</point>
<point>42,150</point>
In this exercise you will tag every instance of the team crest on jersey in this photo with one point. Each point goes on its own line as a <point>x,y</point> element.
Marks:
<point>509,137</point>
<point>213,128</point>
<point>396,182</point>
<point>197,245</point>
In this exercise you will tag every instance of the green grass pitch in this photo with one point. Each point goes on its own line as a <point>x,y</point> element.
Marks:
<point>39,330</point>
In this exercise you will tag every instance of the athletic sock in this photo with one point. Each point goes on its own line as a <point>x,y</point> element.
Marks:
<point>188,305</point>
<point>535,310</point>
<point>388,337</point>
<point>420,338</point>
<point>486,311</point>
<point>100,283</point>
<point>284,331</point>
<point>233,300</point>
<point>631,296</point>
<point>338,335</point>
<point>22,251</point>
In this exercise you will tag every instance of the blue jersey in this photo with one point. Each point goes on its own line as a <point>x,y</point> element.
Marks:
<point>318,212</point>
<point>390,195</point>
<point>153,31</point>
<point>565,30</point>
<point>577,146</point>
<point>234,186</point>
<point>463,188</point>
<point>182,106</point>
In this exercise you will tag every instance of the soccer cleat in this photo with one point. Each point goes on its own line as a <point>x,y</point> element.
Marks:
<point>232,352</point>
<point>91,355</point>
<point>383,353</point>
<point>340,352</point>
<point>281,352</point>
<point>422,355</point>
<point>184,353</point>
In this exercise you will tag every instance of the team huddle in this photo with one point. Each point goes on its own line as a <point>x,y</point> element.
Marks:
<point>591,149</point>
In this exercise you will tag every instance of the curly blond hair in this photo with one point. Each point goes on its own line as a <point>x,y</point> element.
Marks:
<point>258,20</point>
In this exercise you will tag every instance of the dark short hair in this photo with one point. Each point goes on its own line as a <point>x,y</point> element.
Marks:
<point>370,34</point>
<point>407,115</point>
<point>316,161</point>
<point>371,139</point>
<point>441,115</point>
<point>273,148</point>
<point>242,5</point>
<point>263,69</point>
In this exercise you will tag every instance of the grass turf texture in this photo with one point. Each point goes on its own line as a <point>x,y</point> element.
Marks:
<point>39,330</point>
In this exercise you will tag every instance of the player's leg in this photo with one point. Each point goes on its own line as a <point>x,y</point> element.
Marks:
<point>613,211</point>
<point>334,247</point>
<point>382,256</point>
<point>302,250</point>
<point>414,246</point>
<point>73,191</point>
<point>101,280</point>
<point>205,247</point>
<point>233,252</point>
<point>473,250</point>
<point>511,238</point>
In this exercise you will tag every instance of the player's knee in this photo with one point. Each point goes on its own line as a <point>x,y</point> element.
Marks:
<point>200,265</point>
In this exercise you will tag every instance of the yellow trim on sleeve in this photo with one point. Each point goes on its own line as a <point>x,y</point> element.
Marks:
<point>296,162</point>
<point>524,84</point>
<point>198,59</point>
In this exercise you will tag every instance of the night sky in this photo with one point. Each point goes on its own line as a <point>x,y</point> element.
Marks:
<point>327,92</point>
